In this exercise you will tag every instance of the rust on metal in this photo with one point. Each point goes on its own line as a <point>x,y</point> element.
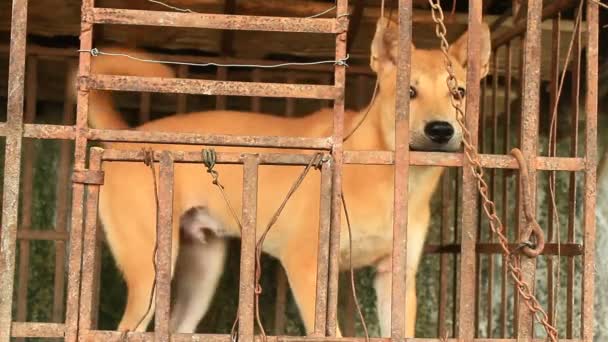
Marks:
<point>20,329</point>
<point>399,279</point>
<point>88,177</point>
<point>591,108</point>
<point>12,163</point>
<point>466,311</point>
<point>162,259</point>
<point>216,21</point>
<point>209,87</point>
<point>338,161</point>
<point>529,147</point>
<point>248,246</point>
<point>90,247</point>
<point>323,249</point>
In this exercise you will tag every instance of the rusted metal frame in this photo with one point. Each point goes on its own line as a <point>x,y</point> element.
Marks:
<point>552,151</point>
<point>446,206</point>
<point>61,218</point>
<point>209,87</point>
<point>466,313</point>
<point>337,158</point>
<point>399,277</point>
<point>214,21</point>
<point>248,246</point>
<point>325,217</point>
<point>591,99</point>
<point>480,218</point>
<point>493,191</point>
<point>91,249</point>
<point>30,329</point>
<point>145,102</point>
<point>529,147</point>
<point>80,153</point>
<point>27,188</point>
<point>455,260</point>
<point>182,104</point>
<point>575,93</point>
<point>12,164</point>
<point>163,258</point>
<point>111,336</point>
<point>519,29</point>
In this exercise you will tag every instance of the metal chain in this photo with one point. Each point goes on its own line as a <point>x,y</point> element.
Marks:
<point>488,205</point>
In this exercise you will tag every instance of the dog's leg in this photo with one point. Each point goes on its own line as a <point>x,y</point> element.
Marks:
<point>198,270</point>
<point>382,285</point>
<point>301,270</point>
<point>416,234</point>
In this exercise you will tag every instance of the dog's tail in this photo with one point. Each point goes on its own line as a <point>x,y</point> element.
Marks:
<point>102,113</point>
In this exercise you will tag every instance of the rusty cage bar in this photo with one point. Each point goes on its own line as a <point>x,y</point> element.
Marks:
<point>474,254</point>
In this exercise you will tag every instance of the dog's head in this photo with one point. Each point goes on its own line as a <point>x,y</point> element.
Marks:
<point>433,125</point>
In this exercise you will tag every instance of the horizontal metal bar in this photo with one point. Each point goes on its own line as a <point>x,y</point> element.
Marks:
<point>141,337</point>
<point>216,21</point>
<point>208,87</point>
<point>31,329</point>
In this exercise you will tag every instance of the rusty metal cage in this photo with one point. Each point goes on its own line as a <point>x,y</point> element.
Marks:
<point>464,244</point>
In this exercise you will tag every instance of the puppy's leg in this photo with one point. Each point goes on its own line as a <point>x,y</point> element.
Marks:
<point>198,270</point>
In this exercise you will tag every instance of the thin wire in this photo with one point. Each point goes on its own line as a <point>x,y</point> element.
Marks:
<point>96,52</point>
<point>187,10</point>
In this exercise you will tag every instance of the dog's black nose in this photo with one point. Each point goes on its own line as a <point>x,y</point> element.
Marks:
<point>439,131</point>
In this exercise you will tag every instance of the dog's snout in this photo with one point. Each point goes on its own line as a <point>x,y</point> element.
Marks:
<point>439,131</point>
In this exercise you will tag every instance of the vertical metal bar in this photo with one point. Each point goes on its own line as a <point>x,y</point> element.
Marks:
<point>493,191</point>
<point>399,329</point>
<point>12,164</point>
<point>27,188</point>
<point>80,152</point>
<point>91,249</point>
<point>529,144</point>
<point>61,218</point>
<point>349,312</point>
<point>466,313</point>
<point>505,188</point>
<point>552,152</point>
<point>248,240</point>
<point>164,233</point>
<point>455,259</point>
<point>182,104</point>
<point>591,99</point>
<point>323,251</point>
<point>576,67</point>
<point>281,301</point>
<point>256,106</point>
<point>144,107</point>
<point>220,100</point>
<point>446,205</point>
<point>337,155</point>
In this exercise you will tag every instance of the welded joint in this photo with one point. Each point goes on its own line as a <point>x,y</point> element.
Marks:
<point>89,177</point>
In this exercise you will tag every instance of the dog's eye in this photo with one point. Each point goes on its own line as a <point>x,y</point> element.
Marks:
<point>461,92</point>
<point>413,93</point>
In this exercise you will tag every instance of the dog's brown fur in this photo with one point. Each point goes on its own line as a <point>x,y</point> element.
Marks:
<point>127,202</point>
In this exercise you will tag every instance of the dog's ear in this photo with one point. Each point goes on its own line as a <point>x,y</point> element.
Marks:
<point>458,49</point>
<point>384,45</point>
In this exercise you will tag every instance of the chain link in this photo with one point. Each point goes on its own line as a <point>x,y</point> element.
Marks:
<point>488,205</point>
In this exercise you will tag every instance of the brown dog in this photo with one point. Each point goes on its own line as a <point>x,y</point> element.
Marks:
<point>127,206</point>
